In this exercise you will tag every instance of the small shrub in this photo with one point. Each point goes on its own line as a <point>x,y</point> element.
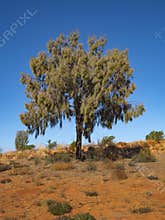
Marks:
<point>151,177</point>
<point>63,166</point>
<point>144,155</point>
<point>29,147</point>
<point>92,193</point>
<point>141,210</point>
<point>120,166</point>
<point>91,166</point>
<point>72,146</point>
<point>51,145</point>
<point>62,156</point>
<point>111,152</point>
<point>85,216</point>
<point>132,163</point>
<point>4,167</point>
<point>21,140</point>
<point>37,160</point>
<point>7,180</point>
<point>58,208</point>
<point>107,141</point>
<point>119,172</point>
<point>64,218</point>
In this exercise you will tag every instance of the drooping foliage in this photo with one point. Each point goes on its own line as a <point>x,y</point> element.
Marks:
<point>91,85</point>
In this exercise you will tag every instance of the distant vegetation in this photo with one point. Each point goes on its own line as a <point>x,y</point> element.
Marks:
<point>21,141</point>
<point>51,145</point>
<point>155,135</point>
<point>107,141</point>
<point>67,81</point>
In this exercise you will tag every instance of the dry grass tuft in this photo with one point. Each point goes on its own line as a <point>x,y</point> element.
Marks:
<point>62,166</point>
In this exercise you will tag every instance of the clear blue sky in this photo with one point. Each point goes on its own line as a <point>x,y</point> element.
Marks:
<point>137,25</point>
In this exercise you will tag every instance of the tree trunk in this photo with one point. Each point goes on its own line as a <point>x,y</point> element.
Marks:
<point>78,136</point>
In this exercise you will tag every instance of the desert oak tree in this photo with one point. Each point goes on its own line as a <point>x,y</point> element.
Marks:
<point>90,85</point>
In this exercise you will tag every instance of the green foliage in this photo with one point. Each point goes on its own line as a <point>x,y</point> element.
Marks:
<point>29,147</point>
<point>155,135</point>
<point>21,140</point>
<point>58,208</point>
<point>92,85</point>
<point>51,145</point>
<point>72,146</point>
<point>144,155</point>
<point>107,141</point>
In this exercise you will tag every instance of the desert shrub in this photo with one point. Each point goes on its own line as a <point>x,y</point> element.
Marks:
<point>21,140</point>
<point>141,210</point>
<point>91,166</point>
<point>120,166</point>
<point>62,156</point>
<point>63,166</point>
<point>82,216</point>
<point>85,216</point>
<point>37,160</point>
<point>107,140</point>
<point>58,208</point>
<point>91,193</point>
<point>94,153</point>
<point>4,167</point>
<point>51,145</point>
<point>7,180</point>
<point>29,147</point>
<point>152,177</point>
<point>111,152</point>
<point>119,172</point>
<point>64,218</point>
<point>155,135</point>
<point>72,146</point>
<point>144,155</point>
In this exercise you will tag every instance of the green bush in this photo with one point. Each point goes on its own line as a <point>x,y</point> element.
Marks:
<point>155,135</point>
<point>107,140</point>
<point>72,146</point>
<point>58,208</point>
<point>29,147</point>
<point>144,155</point>
<point>21,141</point>
<point>51,145</point>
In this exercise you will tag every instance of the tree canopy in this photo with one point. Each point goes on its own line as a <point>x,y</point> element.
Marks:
<point>91,85</point>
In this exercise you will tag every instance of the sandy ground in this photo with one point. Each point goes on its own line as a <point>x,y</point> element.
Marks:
<point>32,182</point>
